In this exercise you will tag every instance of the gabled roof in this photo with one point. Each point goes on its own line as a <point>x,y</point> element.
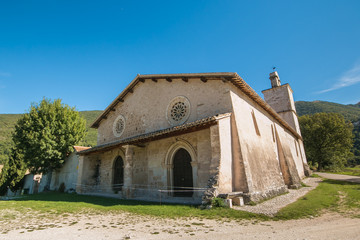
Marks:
<point>156,77</point>
<point>156,135</point>
<point>230,77</point>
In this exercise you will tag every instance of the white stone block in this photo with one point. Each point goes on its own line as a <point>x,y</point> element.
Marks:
<point>229,202</point>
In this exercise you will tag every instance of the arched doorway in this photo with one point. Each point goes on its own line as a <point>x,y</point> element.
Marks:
<point>118,176</point>
<point>182,174</point>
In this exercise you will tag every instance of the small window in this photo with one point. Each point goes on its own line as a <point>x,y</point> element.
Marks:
<point>272,133</point>
<point>301,155</point>
<point>255,123</point>
<point>296,147</point>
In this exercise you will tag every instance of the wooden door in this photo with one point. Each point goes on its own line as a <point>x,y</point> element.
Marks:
<point>182,174</point>
<point>118,179</point>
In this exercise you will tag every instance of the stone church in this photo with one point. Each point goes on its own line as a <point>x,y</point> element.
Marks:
<point>186,137</point>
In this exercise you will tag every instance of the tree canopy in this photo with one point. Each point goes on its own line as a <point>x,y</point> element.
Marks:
<point>328,140</point>
<point>13,172</point>
<point>46,135</point>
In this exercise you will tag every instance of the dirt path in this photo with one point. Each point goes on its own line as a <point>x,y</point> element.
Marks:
<point>339,177</point>
<point>128,226</point>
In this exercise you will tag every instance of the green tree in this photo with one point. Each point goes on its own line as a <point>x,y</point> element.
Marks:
<point>13,173</point>
<point>46,135</point>
<point>356,149</point>
<point>327,139</point>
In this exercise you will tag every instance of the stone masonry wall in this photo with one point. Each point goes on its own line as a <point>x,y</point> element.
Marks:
<point>259,149</point>
<point>67,174</point>
<point>145,109</point>
<point>150,166</point>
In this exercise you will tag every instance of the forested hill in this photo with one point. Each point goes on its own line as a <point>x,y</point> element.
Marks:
<point>8,121</point>
<point>350,112</point>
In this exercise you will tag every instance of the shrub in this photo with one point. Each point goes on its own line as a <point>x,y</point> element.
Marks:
<point>218,202</point>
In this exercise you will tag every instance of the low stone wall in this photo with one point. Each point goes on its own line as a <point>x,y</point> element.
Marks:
<point>260,196</point>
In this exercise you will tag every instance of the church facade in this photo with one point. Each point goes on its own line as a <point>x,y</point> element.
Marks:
<point>190,137</point>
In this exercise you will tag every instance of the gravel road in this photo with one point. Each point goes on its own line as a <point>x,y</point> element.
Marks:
<point>339,177</point>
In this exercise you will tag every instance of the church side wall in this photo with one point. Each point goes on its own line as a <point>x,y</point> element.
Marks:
<point>87,180</point>
<point>145,109</point>
<point>292,146</point>
<point>258,150</point>
<point>67,174</point>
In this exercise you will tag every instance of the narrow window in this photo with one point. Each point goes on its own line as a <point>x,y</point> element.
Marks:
<point>300,151</point>
<point>272,132</point>
<point>297,153</point>
<point>255,123</point>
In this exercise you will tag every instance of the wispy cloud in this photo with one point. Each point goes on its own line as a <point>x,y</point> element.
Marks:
<point>5,74</point>
<point>349,78</point>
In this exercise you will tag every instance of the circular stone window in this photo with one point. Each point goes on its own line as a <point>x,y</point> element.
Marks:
<point>178,111</point>
<point>119,126</point>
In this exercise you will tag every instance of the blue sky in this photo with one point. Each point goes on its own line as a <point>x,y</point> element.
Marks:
<point>86,52</point>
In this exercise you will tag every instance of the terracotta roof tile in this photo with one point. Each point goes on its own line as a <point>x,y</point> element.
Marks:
<point>80,148</point>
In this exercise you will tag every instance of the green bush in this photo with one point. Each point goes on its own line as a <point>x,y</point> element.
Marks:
<point>218,203</point>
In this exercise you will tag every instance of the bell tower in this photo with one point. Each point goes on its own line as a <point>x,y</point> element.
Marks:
<point>280,98</point>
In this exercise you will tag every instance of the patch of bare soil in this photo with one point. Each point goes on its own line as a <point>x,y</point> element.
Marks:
<point>130,226</point>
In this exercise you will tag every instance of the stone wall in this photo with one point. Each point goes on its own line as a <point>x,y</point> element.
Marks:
<point>148,168</point>
<point>145,109</point>
<point>67,174</point>
<point>259,149</point>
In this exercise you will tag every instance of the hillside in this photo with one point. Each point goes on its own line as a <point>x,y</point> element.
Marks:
<point>8,121</point>
<point>350,112</point>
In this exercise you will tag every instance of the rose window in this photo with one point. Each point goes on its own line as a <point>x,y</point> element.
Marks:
<point>178,110</point>
<point>119,126</point>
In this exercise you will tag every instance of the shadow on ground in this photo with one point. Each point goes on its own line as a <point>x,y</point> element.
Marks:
<point>96,200</point>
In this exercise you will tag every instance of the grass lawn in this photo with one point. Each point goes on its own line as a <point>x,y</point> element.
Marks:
<point>326,196</point>
<point>355,171</point>
<point>62,203</point>
<point>331,195</point>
